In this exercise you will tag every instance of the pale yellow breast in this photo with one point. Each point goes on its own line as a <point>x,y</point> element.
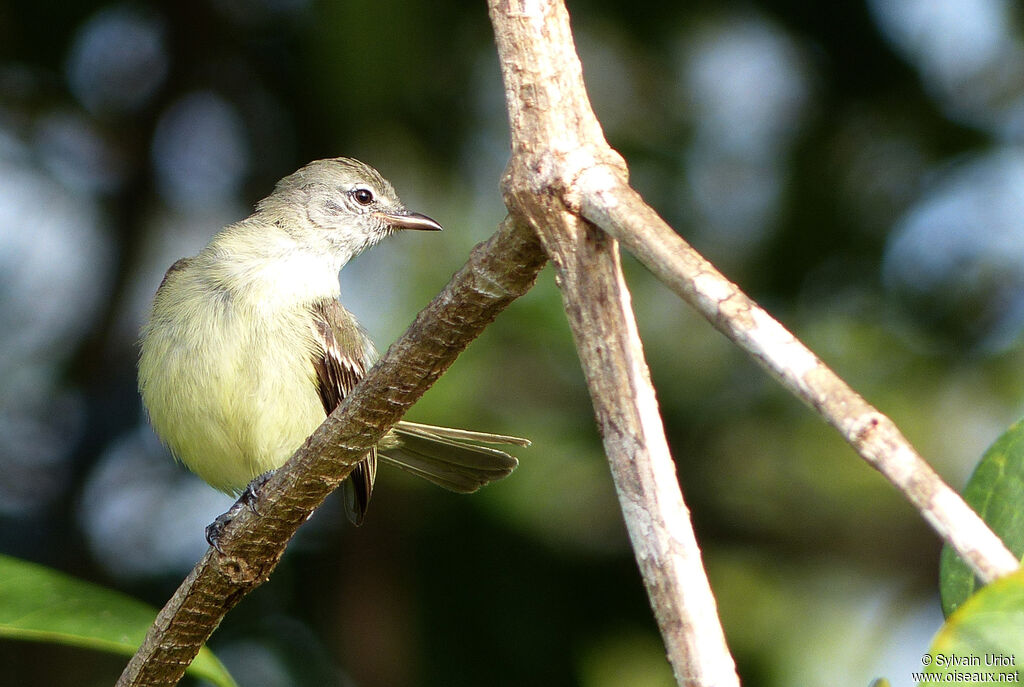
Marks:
<point>232,392</point>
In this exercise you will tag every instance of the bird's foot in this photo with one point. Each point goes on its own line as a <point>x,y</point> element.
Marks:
<point>248,499</point>
<point>251,493</point>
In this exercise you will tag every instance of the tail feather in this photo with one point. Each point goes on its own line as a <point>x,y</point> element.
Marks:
<point>447,457</point>
<point>416,428</point>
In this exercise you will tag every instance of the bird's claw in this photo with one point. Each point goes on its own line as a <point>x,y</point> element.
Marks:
<point>248,499</point>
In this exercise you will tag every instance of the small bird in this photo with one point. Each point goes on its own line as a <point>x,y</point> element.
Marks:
<point>247,348</point>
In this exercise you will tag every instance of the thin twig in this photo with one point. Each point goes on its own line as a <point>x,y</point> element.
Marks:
<point>497,272</point>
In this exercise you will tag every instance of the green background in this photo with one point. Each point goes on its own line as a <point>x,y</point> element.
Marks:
<point>854,167</point>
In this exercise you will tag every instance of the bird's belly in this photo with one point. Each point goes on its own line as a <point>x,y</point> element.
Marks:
<point>242,403</point>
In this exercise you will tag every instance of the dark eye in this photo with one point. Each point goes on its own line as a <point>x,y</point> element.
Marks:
<point>363,196</point>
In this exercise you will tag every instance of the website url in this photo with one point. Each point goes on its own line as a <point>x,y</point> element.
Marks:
<point>958,676</point>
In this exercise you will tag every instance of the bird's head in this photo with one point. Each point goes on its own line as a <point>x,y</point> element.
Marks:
<point>345,203</point>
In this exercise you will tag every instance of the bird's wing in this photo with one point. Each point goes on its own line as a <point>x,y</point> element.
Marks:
<point>344,356</point>
<point>178,266</point>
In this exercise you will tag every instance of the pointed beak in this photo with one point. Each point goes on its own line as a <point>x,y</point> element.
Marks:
<point>409,220</point>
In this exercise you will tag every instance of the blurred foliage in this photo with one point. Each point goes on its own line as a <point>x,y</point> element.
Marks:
<point>854,166</point>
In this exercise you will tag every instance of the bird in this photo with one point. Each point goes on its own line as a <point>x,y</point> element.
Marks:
<point>248,348</point>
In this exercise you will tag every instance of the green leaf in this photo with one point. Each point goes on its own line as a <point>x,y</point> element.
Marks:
<point>42,605</point>
<point>996,492</point>
<point>983,639</point>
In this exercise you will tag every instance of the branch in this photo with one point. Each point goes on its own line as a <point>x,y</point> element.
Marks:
<point>592,182</point>
<point>497,272</point>
<point>552,123</point>
<point>608,201</point>
<point>562,174</point>
<point>600,314</point>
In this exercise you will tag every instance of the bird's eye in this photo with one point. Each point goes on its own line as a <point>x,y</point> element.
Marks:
<point>363,196</point>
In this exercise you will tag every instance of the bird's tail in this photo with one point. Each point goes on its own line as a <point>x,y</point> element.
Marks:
<point>450,458</point>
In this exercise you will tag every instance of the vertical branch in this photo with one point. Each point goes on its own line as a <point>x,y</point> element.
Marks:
<point>600,314</point>
<point>554,131</point>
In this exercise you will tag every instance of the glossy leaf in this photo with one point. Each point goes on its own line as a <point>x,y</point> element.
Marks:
<point>983,639</point>
<point>996,492</point>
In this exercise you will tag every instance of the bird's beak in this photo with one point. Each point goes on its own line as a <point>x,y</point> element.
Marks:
<point>409,220</point>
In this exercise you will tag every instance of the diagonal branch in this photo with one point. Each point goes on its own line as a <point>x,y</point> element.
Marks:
<point>611,204</point>
<point>590,180</point>
<point>498,271</point>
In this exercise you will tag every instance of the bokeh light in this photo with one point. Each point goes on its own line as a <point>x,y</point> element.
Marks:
<point>117,61</point>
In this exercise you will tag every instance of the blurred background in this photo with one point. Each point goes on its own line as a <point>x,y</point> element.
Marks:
<point>855,166</point>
